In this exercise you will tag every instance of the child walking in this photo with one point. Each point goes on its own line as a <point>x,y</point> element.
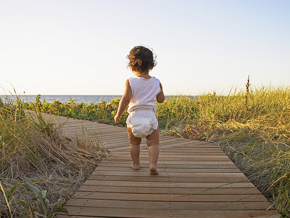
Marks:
<point>141,93</point>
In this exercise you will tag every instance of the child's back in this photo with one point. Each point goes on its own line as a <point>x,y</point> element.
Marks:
<point>141,94</point>
<point>144,92</point>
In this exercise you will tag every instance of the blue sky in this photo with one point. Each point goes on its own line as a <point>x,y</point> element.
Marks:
<point>80,47</point>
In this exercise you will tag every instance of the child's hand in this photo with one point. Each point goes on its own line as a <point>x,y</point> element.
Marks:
<point>117,119</point>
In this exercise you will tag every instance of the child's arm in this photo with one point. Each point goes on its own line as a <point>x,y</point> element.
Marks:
<point>124,102</point>
<point>160,96</point>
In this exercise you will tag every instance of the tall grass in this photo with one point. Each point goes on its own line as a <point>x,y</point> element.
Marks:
<point>37,160</point>
<point>252,126</point>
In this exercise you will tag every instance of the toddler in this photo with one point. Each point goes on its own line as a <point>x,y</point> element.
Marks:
<point>141,93</point>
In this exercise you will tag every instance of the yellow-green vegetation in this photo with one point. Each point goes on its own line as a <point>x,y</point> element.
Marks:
<point>102,112</point>
<point>40,167</point>
<point>254,132</point>
<point>252,127</point>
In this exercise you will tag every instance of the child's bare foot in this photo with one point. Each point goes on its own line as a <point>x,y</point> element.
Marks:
<point>153,170</point>
<point>135,166</point>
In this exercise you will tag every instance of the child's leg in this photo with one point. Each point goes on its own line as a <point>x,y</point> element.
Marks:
<point>134,149</point>
<point>153,145</point>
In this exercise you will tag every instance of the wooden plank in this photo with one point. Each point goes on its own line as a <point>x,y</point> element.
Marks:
<point>171,190</point>
<point>177,152</point>
<point>242,184</point>
<point>171,170</point>
<point>166,179</point>
<point>172,163</point>
<point>171,197</point>
<point>148,212</point>
<point>173,166</point>
<point>192,158</point>
<point>192,145</point>
<point>178,155</point>
<point>166,205</point>
<point>138,173</point>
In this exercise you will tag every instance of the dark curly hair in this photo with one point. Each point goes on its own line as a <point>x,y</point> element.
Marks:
<point>141,59</point>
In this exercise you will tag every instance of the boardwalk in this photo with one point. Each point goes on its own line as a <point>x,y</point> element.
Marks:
<point>196,180</point>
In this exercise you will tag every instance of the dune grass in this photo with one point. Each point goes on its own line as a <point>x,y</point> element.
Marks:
<point>39,167</point>
<point>252,127</point>
<point>254,132</point>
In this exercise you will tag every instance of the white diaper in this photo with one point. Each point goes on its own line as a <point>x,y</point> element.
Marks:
<point>142,121</point>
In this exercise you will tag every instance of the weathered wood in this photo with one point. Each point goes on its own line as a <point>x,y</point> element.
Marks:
<point>171,190</point>
<point>174,164</point>
<point>196,180</point>
<point>148,212</point>
<point>170,197</point>
<point>185,185</point>
<point>164,164</point>
<point>168,178</point>
<point>165,205</point>
<point>215,169</point>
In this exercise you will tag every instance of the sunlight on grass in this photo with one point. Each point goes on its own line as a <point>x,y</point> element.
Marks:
<point>252,128</point>
<point>38,161</point>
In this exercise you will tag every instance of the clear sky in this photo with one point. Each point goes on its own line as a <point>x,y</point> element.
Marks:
<point>79,47</point>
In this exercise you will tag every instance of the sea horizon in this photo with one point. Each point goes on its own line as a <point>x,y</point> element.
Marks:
<point>77,98</point>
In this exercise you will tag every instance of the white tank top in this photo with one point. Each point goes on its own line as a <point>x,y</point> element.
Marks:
<point>144,92</point>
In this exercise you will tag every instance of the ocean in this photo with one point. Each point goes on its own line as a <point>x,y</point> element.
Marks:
<point>65,98</point>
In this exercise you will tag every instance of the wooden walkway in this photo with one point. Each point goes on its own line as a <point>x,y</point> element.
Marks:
<point>196,179</point>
